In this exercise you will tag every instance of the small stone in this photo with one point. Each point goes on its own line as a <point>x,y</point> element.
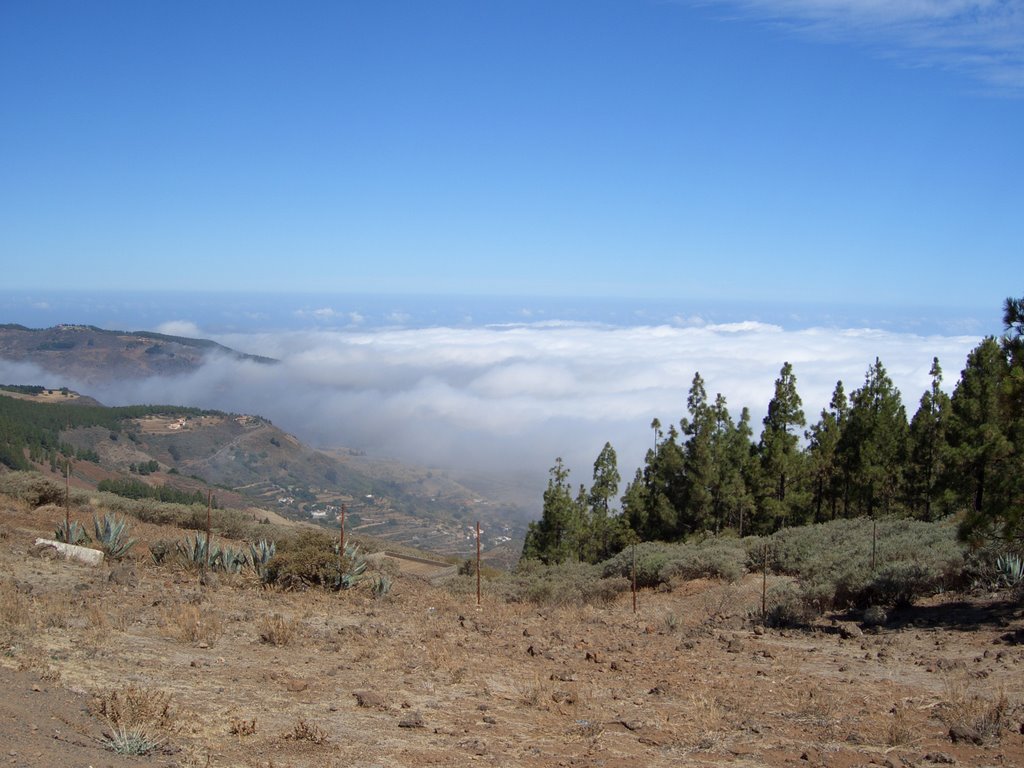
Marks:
<point>295,685</point>
<point>963,734</point>
<point>124,575</point>
<point>369,699</point>
<point>415,720</point>
<point>849,631</point>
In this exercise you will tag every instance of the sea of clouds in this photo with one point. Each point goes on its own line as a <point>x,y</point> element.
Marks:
<point>513,397</point>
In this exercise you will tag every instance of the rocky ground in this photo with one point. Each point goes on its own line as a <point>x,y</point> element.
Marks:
<point>231,674</point>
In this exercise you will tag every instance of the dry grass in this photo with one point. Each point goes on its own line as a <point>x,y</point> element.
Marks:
<point>705,722</point>
<point>963,707</point>
<point>55,611</point>
<point>139,719</point>
<point>240,727</point>
<point>277,630</point>
<point>192,624</point>
<point>15,608</point>
<point>303,731</point>
<point>901,729</point>
<point>535,691</point>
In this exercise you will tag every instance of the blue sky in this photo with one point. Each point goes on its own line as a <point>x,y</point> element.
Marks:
<point>776,150</point>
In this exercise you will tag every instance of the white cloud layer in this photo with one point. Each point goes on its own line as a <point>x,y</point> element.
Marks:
<point>515,397</point>
<point>984,38</point>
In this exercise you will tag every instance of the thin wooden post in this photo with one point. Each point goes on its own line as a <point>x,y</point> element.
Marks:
<point>478,563</point>
<point>874,541</point>
<point>341,542</point>
<point>67,502</point>
<point>209,526</point>
<point>634,578</point>
<point>764,585</point>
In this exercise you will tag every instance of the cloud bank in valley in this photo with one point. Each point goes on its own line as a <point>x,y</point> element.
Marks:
<point>513,397</point>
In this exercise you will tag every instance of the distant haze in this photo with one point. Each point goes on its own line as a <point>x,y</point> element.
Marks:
<point>510,397</point>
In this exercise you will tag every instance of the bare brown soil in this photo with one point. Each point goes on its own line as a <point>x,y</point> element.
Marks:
<point>265,678</point>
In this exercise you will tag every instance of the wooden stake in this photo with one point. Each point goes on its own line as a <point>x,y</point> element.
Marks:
<point>764,586</point>
<point>478,563</point>
<point>67,501</point>
<point>874,541</point>
<point>209,521</point>
<point>341,538</point>
<point>634,578</point>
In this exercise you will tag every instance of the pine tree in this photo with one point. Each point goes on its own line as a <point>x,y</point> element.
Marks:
<point>557,536</point>
<point>928,451</point>
<point>781,459</point>
<point>873,444</point>
<point>602,492</point>
<point>981,440</point>
<point>823,456</point>
<point>697,504</point>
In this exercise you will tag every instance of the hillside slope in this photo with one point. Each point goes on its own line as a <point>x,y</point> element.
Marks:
<point>90,354</point>
<point>247,461</point>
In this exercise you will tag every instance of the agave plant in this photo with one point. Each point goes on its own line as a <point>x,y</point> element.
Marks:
<point>197,551</point>
<point>112,535</point>
<point>230,560</point>
<point>1010,568</point>
<point>353,566</point>
<point>260,554</point>
<point>71,534</point>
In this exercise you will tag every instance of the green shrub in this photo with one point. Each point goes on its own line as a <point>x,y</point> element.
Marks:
<point>561,584</point>
<point>786,606</point>
<point>711,557</point>
<point>32,488</point>
<point>832,562</point>
<point>311,559</point>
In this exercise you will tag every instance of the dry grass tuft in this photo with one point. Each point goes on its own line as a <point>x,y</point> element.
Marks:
<point>15,608</point>
<point>240,727</point>
<point>304,731</point>
<point>276,630</point>
<point>56,611</point>
<point>962,707</point>
<point>192,624</point>
<point>133,706</point>
<point>139,719</point>
<point>901,730</point>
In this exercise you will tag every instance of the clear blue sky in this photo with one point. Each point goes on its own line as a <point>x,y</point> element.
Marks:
<point>765,149</point>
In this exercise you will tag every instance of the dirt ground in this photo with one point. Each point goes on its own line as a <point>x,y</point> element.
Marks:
<point>231,674</point>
